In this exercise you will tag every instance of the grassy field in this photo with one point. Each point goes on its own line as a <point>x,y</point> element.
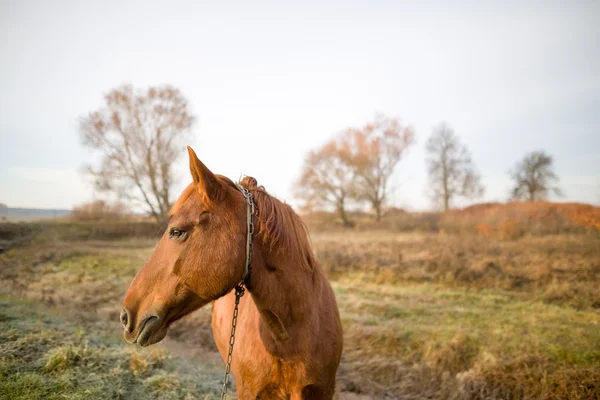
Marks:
<point>426,314</point>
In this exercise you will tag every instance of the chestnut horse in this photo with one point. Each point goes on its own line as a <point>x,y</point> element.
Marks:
<point>288,340</point>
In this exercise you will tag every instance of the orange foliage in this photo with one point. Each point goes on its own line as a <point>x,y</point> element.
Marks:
<point>506,229</point>
<point>512,220</point>
<point>588,217</point>
<point>509,228</point>
<point>485,230</point>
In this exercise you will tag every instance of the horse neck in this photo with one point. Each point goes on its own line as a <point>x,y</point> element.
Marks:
<point>285,292</point>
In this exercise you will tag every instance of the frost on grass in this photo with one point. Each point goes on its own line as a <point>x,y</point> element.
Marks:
<point>45,356</point>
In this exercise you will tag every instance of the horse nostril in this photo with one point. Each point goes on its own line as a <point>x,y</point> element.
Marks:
<point>124,318</point>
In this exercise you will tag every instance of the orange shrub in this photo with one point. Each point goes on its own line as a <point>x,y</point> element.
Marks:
<point>503,220</point>
<point>485,230</point>
<point>511,220</point>
<point>588,217</point>
<point>509,228</point>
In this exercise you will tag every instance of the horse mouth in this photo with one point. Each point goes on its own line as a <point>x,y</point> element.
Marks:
<point>150,332</point>
<point>152,329</point>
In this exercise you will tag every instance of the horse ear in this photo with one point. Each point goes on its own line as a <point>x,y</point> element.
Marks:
<point>205,179</point>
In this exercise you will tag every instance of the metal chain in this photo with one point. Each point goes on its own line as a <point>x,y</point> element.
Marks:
<point>239,289</point>
<point>239,292</point>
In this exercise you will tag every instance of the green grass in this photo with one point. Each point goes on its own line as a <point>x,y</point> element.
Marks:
<point>450,340</point>
<point>43,355</point>
<point>107,266</point>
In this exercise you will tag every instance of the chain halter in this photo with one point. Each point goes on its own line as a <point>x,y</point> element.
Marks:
<point>239,288</point>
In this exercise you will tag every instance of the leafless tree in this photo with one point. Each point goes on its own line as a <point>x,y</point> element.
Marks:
<point>328,178</point>
<point>534,178</point>
<point>450,167</point>
<point>138,135</point>
<point>377,148</point>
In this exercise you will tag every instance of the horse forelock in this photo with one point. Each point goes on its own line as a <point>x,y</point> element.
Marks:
<point>187,193</point>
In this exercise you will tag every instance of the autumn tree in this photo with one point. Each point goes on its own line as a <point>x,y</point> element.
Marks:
<point>450,167</point>
<point>534,178</point>
<point>328,178</point>
<point>376,150</point>
<point>137,135</point>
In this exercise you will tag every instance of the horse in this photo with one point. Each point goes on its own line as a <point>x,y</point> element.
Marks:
<point>288,336</point>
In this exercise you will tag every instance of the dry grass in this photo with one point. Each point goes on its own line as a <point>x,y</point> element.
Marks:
<point>559,269</point>
<point>499,220</point>
<point>426,341</point>
<point>426,314</point>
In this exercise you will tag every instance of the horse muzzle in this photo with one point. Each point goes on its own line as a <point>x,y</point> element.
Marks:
<point>150,330</point>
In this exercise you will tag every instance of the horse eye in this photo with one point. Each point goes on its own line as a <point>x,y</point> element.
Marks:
<point>177,234</point>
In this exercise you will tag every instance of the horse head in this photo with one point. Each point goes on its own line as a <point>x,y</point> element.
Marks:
<point>200,257</point>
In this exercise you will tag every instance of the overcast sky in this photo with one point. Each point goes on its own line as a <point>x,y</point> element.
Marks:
<point>269,81</point>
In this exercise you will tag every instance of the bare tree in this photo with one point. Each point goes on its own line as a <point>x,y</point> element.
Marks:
<point>534,177</point>
<point>328,178</point>
<point>137,135</point>
<point>450,167</point>
<point>377,148</point>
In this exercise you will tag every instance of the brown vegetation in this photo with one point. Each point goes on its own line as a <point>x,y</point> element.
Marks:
<point>98,210</point>
<point>497,220</point>
<point>441,311</point>
<point>469,261</point>
<point>137,135</point>
<point>377,149</point>
<point>354,168</point>
<point>512,220</point>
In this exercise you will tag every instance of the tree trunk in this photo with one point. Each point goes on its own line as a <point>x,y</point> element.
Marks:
<point>343,215</point>
<point>377,207</point>
<point>531,195</point>
<point>446,202</point>
<point>445,184</point>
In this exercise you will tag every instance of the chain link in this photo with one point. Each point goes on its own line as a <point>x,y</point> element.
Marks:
<point>239,289</point>
<point>239,292</point>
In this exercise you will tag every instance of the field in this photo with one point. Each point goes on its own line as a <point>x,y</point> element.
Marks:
<point>436,312</point>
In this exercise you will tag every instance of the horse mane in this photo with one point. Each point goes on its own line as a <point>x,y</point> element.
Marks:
<point>279,227</point>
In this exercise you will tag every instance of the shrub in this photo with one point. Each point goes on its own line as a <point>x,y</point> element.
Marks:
<point>512,220</point>
<point>509,229</point>
<point>98,210</point>
<point>506,221</point>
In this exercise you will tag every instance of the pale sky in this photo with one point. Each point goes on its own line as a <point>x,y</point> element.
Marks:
<point>269,81</point>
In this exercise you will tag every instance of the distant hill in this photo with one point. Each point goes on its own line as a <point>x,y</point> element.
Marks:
<point>30,214</point>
